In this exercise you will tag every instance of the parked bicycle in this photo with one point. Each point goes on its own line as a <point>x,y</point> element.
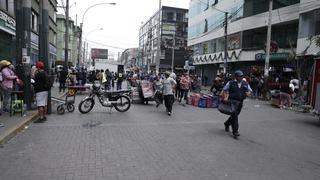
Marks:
<point>118,99</point>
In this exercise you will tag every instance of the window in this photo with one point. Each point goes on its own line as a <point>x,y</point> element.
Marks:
<point>254,39</point>
<point>170,16</point>
<point>205,26</point>
<point>309,24</point>
<point>7,5</point>
<point>34,21</point>
<point>212,46</point>
<point>253,7</point>
<point>179,16</point>
<point>205,48</point>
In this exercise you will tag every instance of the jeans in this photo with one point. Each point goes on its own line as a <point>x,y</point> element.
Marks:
<point>6,99</point>
<point>183,94</point>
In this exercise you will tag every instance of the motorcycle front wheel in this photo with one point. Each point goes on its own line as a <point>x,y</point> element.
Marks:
<point>86,105</point>
<point>123,104</point>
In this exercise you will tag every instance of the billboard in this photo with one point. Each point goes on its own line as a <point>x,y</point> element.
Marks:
<point>99,53</point>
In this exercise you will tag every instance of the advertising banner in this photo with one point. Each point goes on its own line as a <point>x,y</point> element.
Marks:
<point>99,53</point>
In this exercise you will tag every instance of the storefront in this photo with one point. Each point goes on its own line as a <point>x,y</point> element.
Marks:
<point>7,33</point>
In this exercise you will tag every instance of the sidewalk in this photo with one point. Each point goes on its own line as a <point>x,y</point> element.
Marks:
<point>10,126</point>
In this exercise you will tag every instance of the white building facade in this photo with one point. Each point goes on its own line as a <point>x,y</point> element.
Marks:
<point>246,34</point>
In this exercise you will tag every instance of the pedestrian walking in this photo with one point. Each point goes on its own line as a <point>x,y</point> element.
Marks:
<point>108,76</point>
<point>235,90</point>
<point>158,88</point>
<point>168,91</point>
<point>185,83</point>
<point>119,80</point>
<point>41,86</point>
<point>63,74</point>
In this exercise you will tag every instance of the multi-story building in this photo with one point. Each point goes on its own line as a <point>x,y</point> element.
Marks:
<point>35,30</point>
<point>307,49</point>
<point>163,41</point>
<point>129,58</point>
<point>73,43</point>
<point>7,29</point>
<point>247,22</point>
<point>309,26</point>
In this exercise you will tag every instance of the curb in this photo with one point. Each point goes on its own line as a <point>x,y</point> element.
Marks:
<point>13,131</point>
<point>10,133</point>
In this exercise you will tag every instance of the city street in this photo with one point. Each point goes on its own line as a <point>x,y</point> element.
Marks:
<point>147,144</point>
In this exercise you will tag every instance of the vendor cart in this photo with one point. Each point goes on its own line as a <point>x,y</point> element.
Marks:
<point>147,91</point>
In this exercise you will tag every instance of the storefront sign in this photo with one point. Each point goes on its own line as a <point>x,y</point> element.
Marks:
<point>273,56</point>
<point>7,22</point>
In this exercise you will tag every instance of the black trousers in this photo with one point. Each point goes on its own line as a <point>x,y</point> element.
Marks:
<point>233,119</point>
<point>168,102</point>
<point>184,94</point>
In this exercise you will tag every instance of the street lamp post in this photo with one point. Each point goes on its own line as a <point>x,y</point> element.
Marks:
<point>81,27</point>
<point>85,40</point>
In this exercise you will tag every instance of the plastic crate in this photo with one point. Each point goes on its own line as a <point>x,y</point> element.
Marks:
<point>202,102</point>
<point>214,101</point>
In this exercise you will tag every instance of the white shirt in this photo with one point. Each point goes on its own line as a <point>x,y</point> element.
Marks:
<point>167,86</point>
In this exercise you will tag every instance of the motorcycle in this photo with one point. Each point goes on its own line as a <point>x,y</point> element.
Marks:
<point>118,99</point>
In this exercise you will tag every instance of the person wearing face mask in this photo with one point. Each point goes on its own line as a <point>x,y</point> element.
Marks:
<point>9,77</point>
<point>235,90</point>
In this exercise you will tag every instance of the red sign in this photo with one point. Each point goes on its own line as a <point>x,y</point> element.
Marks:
<point>315,82</point>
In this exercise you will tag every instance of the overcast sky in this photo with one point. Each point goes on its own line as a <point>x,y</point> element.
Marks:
<point>120,22</point>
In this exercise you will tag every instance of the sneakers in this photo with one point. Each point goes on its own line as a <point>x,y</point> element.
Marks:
<point>226,127</point>
<point>40,120</point>
<point>169,113</point>
<point>236,134</point>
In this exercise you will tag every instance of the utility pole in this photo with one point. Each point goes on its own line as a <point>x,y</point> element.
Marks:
<point>225,43</point>
<point>173,45</point>
<point>22,41</point>
<point>266,66</point>
<point>44,40</point>
<point>66,38</point>
<point>158,54</point>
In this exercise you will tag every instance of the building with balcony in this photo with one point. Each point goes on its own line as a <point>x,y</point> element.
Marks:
<point>247,22</point>
<point>163,40</point>
<point>73,41</point>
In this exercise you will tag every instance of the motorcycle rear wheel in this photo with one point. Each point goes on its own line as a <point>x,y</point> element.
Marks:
<point>123,104</point>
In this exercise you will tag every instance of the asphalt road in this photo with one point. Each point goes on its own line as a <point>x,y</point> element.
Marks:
<point>147,144</point>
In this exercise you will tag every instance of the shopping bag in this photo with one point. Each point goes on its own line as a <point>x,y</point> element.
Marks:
<point>228,107</point>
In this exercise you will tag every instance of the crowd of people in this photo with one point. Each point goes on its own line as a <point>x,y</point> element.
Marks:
<point>9,82</point>
<point>73,77</point>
